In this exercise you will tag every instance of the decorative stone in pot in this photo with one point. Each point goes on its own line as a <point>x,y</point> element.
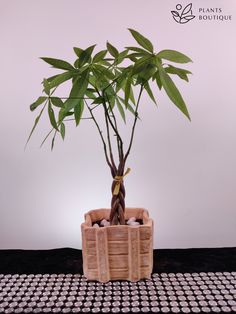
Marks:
<point>117,252</point>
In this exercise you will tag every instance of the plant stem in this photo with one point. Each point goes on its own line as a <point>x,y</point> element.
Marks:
<point>134,124</point>
<point>102,138</point>
<point>109,140</point>
<point>95,106</point>
<point>119,144</point>
<point>112,125</point>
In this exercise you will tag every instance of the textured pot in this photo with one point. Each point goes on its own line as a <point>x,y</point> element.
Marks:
<point>119,252</point>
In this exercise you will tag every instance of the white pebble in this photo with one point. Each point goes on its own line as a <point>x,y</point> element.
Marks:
<point>106,223</point>
<point>103,222</point>
<point>134,223</point>
<point>131,219</point>
<point>96,226</point>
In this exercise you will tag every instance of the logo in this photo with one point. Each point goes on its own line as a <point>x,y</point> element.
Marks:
<point>183,15</point>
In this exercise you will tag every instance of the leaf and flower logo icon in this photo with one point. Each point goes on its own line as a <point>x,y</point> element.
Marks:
<point>183,15</point>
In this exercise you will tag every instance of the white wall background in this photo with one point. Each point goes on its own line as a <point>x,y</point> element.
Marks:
<point>183,172</point>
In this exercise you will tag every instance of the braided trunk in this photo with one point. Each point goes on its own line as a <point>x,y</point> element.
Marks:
<point>117,215</point>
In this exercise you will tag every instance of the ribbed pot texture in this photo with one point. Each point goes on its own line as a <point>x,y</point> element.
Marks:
<point>119,252</point>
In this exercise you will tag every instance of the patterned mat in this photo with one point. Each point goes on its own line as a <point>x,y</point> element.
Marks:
<point>67,293</point>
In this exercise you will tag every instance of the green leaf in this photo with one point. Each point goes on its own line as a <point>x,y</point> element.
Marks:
<point>62,130</point>
<point>57,102</point>
<point>121,56</point>
<point>51,78</point>
<point>60,78</point>
<point>98,79</point>
<point>69,104</point>
<point>90,93</point>
<point>134,55</point>
<point>52,116</point>
<point>112,50</point>
<point>131,96</point>
<point>173,92</point>
<point>77,92</point>
<point>35,124</point>
<point>149,91</point>
<point>77,51</point>
<point>105,62</point>
<point>121,109</point>
<point>141,40</point>
<point>78,111</point>
<point>174,56</point>
<point>64,113</point>
<point>132,58</point>
<point>76,63</point>
<point>148,71</point>
<point>129,107</point>
<point>127,90</point>
<point>140,64</point>
<point>92,90</point>
<point>104,71</point>
<point>57,63</point>
<point>98,100</point>
<point>182,73</point>
<point>80,85</point>
<point>109,91</point>
<point>111,102</point>
<point>37,103</point>
<point>90,49</point>
<point>122,84</point>
<point>158,79</point>
<point>53,140</point>
<point>120,81</point>
<point>139,50</point>
<point>85,56</point>
<point>99,56</point>
<point>46,87</point>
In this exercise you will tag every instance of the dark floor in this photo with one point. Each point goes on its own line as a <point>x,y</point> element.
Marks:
<point>67,260</point>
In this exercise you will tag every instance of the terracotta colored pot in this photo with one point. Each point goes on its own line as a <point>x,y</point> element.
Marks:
<point>120,252</point>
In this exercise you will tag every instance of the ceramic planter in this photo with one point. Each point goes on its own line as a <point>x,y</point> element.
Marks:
<point>119,252</point>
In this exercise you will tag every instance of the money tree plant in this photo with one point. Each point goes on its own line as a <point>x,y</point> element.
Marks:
<point>112,82</point>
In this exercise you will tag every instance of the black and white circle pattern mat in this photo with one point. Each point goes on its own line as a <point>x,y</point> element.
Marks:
<point>164,293</point>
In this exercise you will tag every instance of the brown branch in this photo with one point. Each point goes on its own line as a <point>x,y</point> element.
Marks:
<point>119,144</point>
<point>134,124</point>
<point>103,141</point>
<point>112,125</point>
<point>109,118</point>
<point>109,140</point>
<point>95,106</point>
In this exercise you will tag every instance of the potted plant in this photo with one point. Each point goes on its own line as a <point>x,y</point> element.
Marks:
<point>112,82</point>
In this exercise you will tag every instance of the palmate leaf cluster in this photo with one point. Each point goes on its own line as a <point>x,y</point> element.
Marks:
<point>107,79</point>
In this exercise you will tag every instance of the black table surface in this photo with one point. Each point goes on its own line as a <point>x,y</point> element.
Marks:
<point>69,260</point>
